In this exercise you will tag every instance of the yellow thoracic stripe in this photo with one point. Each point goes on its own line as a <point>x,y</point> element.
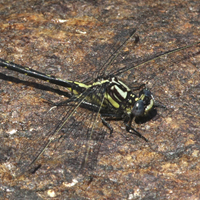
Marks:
<point>122,93</point>
<point>113,102</point>
<point>110,99</point>
<point>121,83</point>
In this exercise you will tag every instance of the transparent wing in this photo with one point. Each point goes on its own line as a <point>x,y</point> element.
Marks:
<point>103,56</point>
<point>74,140</point>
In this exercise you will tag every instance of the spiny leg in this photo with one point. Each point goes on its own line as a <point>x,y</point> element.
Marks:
<point>105,123</point>
<point>128,128</point>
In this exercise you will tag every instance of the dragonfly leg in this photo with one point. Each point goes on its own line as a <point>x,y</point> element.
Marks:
<point>130,129</point>
<point>105,123</point>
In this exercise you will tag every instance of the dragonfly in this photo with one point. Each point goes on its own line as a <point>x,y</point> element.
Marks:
<point>106,98</point>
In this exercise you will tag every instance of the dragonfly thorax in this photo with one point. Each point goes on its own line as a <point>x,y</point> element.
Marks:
<point>122,98</point>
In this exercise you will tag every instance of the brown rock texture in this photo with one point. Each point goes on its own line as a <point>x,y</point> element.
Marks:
<point>71,40</point>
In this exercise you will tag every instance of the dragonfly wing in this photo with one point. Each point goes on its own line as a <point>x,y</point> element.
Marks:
<point>75,142</point>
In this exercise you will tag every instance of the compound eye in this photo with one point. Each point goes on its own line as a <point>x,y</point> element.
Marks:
<point>138,109</point>
<point>145,92</point>
<point>146,96</point>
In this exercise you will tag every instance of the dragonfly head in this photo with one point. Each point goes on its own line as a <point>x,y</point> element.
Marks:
<point>143,104</point>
